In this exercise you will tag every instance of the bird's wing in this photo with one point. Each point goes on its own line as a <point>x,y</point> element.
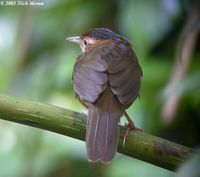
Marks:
<point>112,63</point>
<point>124,73</point>
<point>89,76</point>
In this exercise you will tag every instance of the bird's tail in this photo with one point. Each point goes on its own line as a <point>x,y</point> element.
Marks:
<point>102,128</point>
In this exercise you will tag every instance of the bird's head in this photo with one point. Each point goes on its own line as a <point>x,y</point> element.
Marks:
<point>94,37</point>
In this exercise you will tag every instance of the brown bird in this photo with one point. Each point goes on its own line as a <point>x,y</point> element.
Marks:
<point>106,79</point>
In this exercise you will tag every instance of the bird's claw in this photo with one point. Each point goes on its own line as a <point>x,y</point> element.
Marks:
<point>129,127</point>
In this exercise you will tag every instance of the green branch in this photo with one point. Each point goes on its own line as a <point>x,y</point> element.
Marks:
<point>139,145</point>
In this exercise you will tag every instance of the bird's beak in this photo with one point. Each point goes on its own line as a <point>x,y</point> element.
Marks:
<point>75,39</point>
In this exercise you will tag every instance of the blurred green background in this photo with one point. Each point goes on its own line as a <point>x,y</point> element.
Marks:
<point>36,64</point>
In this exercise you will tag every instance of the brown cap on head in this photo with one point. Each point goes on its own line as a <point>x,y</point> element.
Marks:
<point>102,34</point>
<point>91,38</point>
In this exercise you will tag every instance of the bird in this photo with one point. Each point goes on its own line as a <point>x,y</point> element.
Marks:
<point>106,80</point>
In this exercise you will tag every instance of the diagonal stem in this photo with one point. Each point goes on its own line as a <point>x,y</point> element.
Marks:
<point>140,145</point>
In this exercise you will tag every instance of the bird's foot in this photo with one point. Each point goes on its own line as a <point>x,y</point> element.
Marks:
<point>129,127</point>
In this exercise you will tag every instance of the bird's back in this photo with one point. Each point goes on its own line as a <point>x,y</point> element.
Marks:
<point>107,79</point>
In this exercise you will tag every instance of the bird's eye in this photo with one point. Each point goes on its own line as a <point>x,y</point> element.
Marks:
<point>85,42</point>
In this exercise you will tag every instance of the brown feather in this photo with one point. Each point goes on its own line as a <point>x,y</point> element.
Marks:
<point>107,79</point>
<point>102,127</point>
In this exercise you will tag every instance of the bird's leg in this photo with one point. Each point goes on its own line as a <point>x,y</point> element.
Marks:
<point>130,126</point>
